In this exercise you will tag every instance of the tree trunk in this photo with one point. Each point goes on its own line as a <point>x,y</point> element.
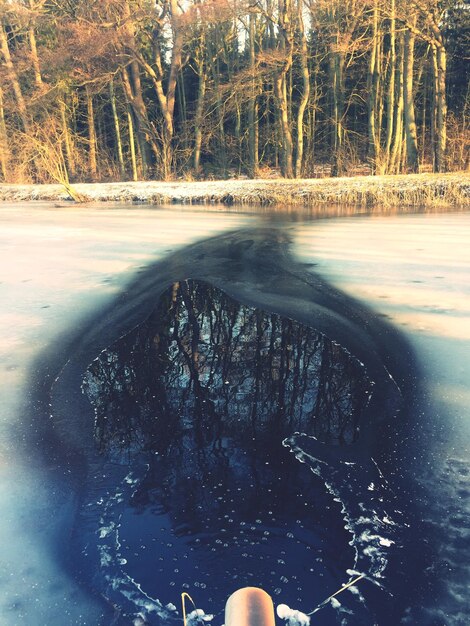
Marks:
<point>176,63</point>
<point>136,101</point>
<point>424,107</point>
<point>117,130</point>
<point>373,87</point>
<point>441,109</point>
<point>221,153</point>
<point>132,145</point>
<point>286,135</point>
<point>253,137</point>
<point>182,104</point>
<point>200,59</point>
<point>167,101</point>
<point>410,123</point>
<point>390,97</point>
<point>69,155</point>
<point>4,151</point>
<point>35,57</point>
<point>337,89</point>
<point>132,86</point>
<point>280,89</point>
<point>14,80</point>
<point>311,133</point>
<point>305,93</point>
<point>92,162</point>
<point>201,92</point>
<point>395,157</point>
<point>380,92</point>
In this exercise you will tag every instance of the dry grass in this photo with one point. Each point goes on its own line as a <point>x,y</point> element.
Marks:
<point>378,192</point>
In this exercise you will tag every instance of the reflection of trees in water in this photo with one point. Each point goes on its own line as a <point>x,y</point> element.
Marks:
<point>204,369</point>
<point>199,399</point>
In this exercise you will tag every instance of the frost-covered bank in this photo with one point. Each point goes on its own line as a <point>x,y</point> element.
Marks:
<point>383,192</point>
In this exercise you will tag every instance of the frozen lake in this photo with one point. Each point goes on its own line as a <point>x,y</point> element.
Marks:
<point>71,272</point>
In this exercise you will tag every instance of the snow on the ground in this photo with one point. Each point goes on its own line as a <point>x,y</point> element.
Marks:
<point>57,265</point>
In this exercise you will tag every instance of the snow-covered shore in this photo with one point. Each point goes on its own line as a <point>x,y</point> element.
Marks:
<point>383,192</point>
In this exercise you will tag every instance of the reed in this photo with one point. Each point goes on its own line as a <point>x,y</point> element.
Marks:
<point>381,193</point>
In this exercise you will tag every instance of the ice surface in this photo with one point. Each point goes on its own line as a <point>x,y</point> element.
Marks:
<point>56,266</point>
<point>415,271</point>
<point>60,264</point>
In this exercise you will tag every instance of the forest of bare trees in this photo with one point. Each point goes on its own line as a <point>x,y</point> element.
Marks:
<point>140,89</point>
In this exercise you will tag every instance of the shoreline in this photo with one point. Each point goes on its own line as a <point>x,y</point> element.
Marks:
<point>406,190</point>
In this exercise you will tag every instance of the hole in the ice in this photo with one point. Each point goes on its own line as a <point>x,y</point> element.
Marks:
<point>199,398</point>
<point>206,364</point>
